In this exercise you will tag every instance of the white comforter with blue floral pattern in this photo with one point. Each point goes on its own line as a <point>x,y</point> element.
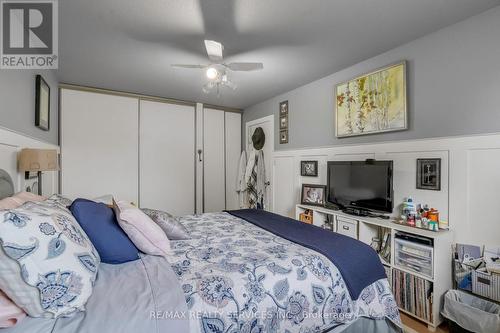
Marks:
<point>237,277</point>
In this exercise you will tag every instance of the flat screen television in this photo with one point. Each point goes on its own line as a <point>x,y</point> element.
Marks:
<point>360,184</point>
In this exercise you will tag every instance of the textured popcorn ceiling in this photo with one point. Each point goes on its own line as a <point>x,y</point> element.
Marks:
<point>129,44</point>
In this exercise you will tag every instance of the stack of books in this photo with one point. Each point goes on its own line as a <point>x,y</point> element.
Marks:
<point>413,294</point>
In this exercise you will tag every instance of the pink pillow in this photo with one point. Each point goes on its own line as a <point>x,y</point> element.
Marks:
<point>10,313</point>
<point>18,199</point>
<point>146,235</point>
<point>23,197</point>
<point>9,203</point>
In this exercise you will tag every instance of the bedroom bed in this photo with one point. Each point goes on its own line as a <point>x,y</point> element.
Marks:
<point>242,271</point>
<point>238,276</point>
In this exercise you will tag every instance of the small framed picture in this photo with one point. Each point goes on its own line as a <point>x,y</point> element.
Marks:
<point>309,168</point>
<point>283,122</point>
<point>284,108</point>
<point>313,194</point>
<point>42,104</point>
<point>429,174</point>
<point>283,136</point>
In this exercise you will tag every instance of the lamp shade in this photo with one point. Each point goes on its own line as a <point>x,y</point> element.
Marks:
<point>37,160</point>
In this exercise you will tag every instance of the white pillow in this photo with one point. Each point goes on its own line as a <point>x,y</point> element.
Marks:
<point>54,255</point>
<point>106,199</point>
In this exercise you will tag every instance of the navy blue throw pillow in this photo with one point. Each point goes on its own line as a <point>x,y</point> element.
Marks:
<point>99,223</point>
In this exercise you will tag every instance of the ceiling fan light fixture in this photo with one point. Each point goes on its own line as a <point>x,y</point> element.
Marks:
<point>217,71</point>
<point>212,73</point>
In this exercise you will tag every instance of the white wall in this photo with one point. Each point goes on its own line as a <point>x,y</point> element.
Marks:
<point>470,179</point>
<point>10,144</point>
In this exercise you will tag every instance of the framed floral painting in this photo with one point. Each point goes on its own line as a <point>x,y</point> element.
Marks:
<point>372,103</point>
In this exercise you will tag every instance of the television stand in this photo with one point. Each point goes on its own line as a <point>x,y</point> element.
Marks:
<point>332,206</point>
<point>366,228</point>
<point>356,211</point>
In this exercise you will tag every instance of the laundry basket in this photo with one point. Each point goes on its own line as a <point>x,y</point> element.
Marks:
<point>469,313</point>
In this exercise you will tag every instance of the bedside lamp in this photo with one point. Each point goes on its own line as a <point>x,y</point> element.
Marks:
<point>37,160</point>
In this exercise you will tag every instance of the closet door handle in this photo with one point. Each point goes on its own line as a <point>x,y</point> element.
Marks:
<point>199,154</point>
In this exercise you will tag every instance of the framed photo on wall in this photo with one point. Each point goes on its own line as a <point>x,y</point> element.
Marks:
<point>284,108</point>
<point>42,104</point>
<point>283,136</point>
<point>309,168</point>
<point>283,122</point>
<point>429,174</point>
<point>283,116</point>
<point>313,194</point>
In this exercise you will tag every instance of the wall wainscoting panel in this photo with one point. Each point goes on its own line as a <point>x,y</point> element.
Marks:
<point>483,184</point>
<point>470,179</point>
<point>321,179</point>
<point>285,192</point>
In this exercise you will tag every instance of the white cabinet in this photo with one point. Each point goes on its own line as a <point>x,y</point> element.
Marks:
<point>214,190</point>
<point>220,156</point>
<point>233,152</point>
<point>145,151</point>
<point>167,158</point>
<point>99,145</point>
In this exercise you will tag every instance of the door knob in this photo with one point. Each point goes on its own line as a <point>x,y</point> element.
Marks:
<point>199,154</point>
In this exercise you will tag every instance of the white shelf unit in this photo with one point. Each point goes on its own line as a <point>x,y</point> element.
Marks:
<point>367,227</point>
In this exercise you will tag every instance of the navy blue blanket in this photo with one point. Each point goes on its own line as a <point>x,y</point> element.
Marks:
<point>358,263</point>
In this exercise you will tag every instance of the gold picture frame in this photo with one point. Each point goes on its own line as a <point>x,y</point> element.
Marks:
<point>372,103</point>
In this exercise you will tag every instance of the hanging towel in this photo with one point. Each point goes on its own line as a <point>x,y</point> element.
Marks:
<point>252,185</point>
<point>261,179</point>
<point>241,185</point>
<point>257,182</point>
<point>250,165</point>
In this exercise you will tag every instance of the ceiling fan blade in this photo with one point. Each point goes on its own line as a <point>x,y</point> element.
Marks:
<point>245,66</point>
<point>214,50</point>
<point>188,66</point>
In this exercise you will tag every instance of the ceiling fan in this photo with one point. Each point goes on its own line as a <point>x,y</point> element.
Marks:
<point>217,70</point>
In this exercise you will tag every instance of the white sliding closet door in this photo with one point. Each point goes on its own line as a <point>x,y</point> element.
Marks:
<point>233,151</point>
<point>99,145</point>
<point>167,157</point>
<point>214,174</point>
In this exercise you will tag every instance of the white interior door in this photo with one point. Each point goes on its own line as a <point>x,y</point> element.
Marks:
<point>167,157</point>
<point>99,146</point>
<point>214,174</point>
<point>267,125</point>
<point>233,152</point>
